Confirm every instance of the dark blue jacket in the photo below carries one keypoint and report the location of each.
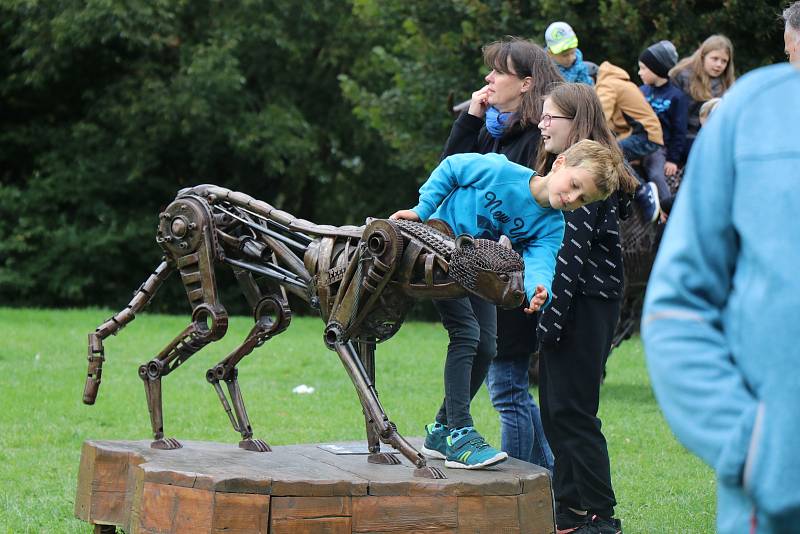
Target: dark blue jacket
(672, 107)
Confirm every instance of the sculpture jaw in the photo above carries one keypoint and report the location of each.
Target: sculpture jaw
(506, 290)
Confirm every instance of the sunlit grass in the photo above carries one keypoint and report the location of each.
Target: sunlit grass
(659, 486)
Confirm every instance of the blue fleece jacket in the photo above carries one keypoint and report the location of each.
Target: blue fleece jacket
(672, 107)
(486, 196)
(577, 72)
(723, 303)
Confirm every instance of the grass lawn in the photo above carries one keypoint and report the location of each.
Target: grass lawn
(660, 487)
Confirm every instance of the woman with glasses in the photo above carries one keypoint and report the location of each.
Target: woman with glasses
(575, 331)
(502, 118)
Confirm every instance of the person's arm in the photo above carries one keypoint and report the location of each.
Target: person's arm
(454, 171)
(701, 391)
(582, 74)
(578, 234)
(608, 98)
(539, 256)
(463, 135)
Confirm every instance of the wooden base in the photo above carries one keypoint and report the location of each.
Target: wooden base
(218, 488)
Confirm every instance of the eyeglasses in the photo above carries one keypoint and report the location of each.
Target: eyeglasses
(547, 118)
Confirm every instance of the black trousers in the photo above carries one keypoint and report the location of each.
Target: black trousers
(569, 394)
(471, 323)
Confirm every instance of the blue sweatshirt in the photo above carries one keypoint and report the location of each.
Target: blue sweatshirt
(486, 196)
(723, 303)
(672, 107)
(577, 72)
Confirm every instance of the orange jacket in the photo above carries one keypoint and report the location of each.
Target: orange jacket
(624, 105)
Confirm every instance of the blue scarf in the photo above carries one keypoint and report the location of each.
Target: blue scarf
(496, 121)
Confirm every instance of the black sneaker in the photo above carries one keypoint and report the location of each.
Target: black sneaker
(602, 525)
(568, 522)
(647, 199)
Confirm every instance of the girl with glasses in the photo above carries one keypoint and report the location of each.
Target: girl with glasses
(575, 331)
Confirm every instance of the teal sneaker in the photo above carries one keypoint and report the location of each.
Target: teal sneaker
(466, 449)
(435, 441)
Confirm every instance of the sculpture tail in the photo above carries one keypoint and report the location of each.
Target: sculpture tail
(141, 298)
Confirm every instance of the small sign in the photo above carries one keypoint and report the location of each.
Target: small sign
(353, 448)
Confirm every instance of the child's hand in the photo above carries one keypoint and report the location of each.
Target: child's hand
(539, 298)
(479, 102)
(670, 169)
(406, 215)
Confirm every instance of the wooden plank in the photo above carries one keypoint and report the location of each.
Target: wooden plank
(109, 485)
(310, 507)
(175, 510)
(488, 514)
(404, 514)
(83, 497)
(536, 512)
(237, 513)
(330, 525)
(400, 479)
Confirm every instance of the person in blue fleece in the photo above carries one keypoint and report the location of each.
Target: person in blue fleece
(487, 196)
(562, 47)
(722, 306)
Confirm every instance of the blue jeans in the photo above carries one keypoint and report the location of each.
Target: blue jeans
(521, 432)
(637, 146)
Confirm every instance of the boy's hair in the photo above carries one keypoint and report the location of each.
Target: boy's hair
(523, 58)
(708, 106)
(579, 101)
(603, 163)
(699, 81)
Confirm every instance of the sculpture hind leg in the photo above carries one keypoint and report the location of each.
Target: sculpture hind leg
(272, 317)
(116, 323)
(209, 323)
(186, 233)
(376, 416)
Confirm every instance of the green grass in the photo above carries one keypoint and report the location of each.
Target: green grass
(660, 487)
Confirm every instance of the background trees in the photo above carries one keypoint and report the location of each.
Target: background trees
(333, 110)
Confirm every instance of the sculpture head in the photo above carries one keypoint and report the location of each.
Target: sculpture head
(488, 269)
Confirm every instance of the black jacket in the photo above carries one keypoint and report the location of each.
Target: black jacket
(469, 134)
(589, 263)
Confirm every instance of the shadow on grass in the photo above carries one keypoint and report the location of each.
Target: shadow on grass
(627, 393)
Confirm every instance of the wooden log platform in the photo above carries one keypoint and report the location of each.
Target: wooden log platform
(218, 488)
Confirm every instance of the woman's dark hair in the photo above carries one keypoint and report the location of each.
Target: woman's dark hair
(523, 58)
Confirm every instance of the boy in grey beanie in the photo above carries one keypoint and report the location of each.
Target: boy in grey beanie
(672, 108)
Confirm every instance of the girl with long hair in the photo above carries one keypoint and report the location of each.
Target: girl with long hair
(704, 75)
(575, 332)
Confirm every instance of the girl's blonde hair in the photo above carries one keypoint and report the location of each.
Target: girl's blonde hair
(708, 106)
(579, 101)
(605, 164)
(699, 80)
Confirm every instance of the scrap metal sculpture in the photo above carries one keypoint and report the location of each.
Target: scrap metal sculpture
(361, 279)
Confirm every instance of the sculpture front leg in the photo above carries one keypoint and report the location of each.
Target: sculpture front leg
(366, 351)
(376, 417)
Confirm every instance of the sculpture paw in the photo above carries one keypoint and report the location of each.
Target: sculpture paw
(384, 458)
(166, 444)
(429, 472)
(255, 445)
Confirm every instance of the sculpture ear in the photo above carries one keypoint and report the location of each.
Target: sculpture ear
(465, 241)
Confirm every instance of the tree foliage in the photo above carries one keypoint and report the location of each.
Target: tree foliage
(333, 110)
